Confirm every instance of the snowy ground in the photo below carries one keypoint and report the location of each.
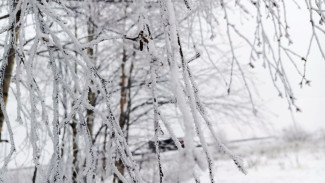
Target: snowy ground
(276, 162)
(268, 161)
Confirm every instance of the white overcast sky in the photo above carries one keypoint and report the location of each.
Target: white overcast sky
(310, 99)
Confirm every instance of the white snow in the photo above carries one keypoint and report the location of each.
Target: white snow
(276, 163)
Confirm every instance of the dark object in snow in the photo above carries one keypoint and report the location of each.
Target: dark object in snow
(165, 145)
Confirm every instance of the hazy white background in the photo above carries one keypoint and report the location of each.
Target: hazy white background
(310, 99)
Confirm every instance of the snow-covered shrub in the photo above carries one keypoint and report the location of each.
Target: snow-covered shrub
(295, 134)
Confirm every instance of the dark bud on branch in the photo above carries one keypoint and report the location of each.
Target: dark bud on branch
(141, 45)
(303, 59)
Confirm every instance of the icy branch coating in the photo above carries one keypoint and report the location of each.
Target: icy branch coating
(95, 81)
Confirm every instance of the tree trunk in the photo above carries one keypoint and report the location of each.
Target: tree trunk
(91, 95)
(119, 163)
(125, 102)
(9, 68)
(75, 148)
(90, 116)
(125, 106)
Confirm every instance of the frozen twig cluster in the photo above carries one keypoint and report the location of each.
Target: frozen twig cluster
(72, 48)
